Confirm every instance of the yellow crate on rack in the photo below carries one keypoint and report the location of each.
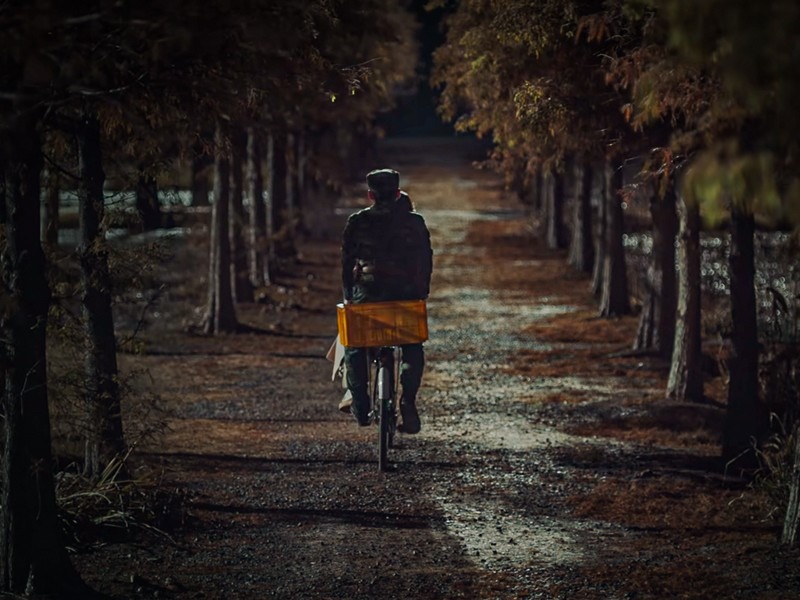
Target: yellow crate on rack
(382, 323)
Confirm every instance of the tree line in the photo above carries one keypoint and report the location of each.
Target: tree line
(274, 97)
(700, 97)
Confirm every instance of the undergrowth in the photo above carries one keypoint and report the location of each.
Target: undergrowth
(779, 377)
(109, 509)
(122, 501)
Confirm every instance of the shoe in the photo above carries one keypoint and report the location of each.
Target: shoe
(362, 420)
(361, 412)
(345, 403)
(408, 411)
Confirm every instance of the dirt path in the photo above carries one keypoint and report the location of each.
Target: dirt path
(508, 492)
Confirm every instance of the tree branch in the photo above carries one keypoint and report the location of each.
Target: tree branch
(59, 168)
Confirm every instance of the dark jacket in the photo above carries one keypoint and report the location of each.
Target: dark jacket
(386, 255)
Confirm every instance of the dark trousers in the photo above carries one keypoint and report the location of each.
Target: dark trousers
(411, 366)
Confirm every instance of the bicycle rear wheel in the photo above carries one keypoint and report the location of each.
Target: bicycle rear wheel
(386, 416)
(384, 442)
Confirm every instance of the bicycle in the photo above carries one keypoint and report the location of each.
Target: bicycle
(383, 327)
(385, 403)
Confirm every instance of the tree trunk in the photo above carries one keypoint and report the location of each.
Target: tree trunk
(50, 226)
(259, 256)
(555, 212)
(147, 205)
(544, 205)
(614, 298)
(243, 289)
(656, 331)
(3, 211)
(685, 375)
(277, 181)
(33, 558)
(220, 316)
(581, 252)
(299, 181)
(291, 185)
(791, 521)
(538, 191)
(200, 181)
(744, 423)
(105, 439)
(600, 239)
(271, 209)
(517, 184)
(282, 211)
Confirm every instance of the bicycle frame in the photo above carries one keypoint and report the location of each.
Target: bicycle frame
(385, 365)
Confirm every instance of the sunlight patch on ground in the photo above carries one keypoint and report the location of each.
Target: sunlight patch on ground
(497, 541)
(497, 431)
(598, 386)
(460, 308)
(441, 217)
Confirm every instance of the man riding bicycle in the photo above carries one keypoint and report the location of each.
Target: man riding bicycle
(386, 255)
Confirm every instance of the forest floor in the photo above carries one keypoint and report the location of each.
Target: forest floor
(549, 464)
